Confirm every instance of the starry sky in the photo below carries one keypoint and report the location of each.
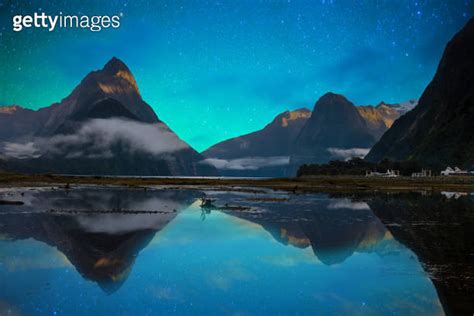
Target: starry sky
(218, 69)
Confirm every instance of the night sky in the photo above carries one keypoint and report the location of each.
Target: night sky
(217, 69)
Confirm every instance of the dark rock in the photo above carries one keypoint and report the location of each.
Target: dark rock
(439, 131)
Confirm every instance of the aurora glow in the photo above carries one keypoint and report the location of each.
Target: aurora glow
(217, 69)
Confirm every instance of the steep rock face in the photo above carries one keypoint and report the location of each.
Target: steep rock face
(103, 127)
(335, 123)
(439, 131)
(113, 81)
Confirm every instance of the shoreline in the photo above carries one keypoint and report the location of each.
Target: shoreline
(297, 185)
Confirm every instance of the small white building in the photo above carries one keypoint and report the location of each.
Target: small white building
(424, 173)
(392, 173)
(455, 195)
(388, 174)
(453, 172)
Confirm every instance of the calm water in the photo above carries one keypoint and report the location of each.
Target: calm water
(111, 251)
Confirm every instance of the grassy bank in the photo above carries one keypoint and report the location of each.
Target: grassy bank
(304, 184)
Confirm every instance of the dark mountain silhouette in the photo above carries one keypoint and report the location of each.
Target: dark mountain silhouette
(439, 131)
(109, 93)
(335, 123)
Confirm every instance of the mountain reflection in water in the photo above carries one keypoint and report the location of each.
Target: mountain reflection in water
(150, 252)
(96, 229)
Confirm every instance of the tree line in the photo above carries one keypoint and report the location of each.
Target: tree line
(358, 167)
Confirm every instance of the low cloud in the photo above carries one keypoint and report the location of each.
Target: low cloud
(21, 151)
(247, 163)
(348, 153)
(348, 204)
(97, 138)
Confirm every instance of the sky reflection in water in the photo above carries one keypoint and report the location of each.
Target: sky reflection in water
(252, 262)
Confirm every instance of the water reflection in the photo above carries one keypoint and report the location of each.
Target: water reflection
(94, 228)
(438, 228)
(150, 252)
(333, 228)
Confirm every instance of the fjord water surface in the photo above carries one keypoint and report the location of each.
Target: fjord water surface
(105, 251)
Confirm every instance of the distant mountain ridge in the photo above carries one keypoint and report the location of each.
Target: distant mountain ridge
(381, 117)
(17, 122)
(273, 140)
(439, 131)
(265, 146)
(281, 137)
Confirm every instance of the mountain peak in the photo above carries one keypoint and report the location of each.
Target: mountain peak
(331, 96)
(114, 65)
(114, 81)
(331, 99)
(333, 102)
(117, 68)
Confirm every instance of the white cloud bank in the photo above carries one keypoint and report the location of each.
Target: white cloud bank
(96, 139)
(348, 204)
(247, 163)
(21, 151)
(348, 153)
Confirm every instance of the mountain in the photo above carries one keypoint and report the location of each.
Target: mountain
(103, 127)
(335, 126)
(439, 131)
(265, 152)
(114, 81)
(270, 144)
(381, 117)
(274, 139)
(17, 122)
(403, 107)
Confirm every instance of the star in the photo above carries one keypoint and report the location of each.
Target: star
(235, 57)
